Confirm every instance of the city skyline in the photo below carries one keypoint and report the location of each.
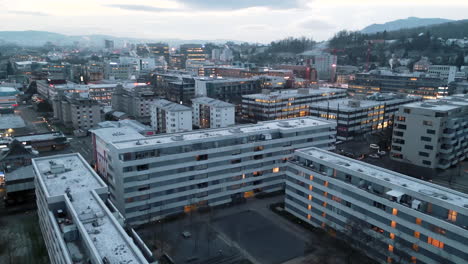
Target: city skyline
(252, 21)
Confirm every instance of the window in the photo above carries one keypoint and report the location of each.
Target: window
(258, 148)
(435, 242)
(452, 215)
(426, 162)
(276, 170)
(325, 183)
(401, 119)
(142, 167)
(417, 234)
(415, 247)
(379, 205)
(427, 123)
(429, 147)
(390, 248)
(423, 154)
(201, 157)
(430, 131)
(394, 211)
(393, 224)
(428, 139)
(392, 236)
(418, 221)
(407, 111)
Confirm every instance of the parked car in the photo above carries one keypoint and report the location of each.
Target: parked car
(381, 153)
(374, 156)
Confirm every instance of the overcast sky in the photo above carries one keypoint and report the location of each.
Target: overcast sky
(243, 20)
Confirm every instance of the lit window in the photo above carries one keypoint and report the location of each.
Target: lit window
(310, 187)
(310, 197)
(413, 260)
(325, 194)
(311, 177)
(389, 260)
(435, 242)
(276, 170)
(415, 247)
(394, 211)
(390, 248)
(452, 215)
(309, 207)
(417, 234)
(418, 221)
(393, 224)
(324, 214)
(392, 236)
(324, 204)
(308, 216)
(325, 183)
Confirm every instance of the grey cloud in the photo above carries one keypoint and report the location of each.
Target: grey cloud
(240, 4)
(316, 24)
(28, 13)
(144, 8)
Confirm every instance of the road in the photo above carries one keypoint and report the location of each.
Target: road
(33, 119)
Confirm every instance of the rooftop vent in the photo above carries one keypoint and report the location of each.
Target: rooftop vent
(56, 168)
(235, 130)
(284, 124)
(354, 103)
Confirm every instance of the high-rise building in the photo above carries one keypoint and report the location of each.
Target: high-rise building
(432, 133)
(212, 113)
(170, 117)
(194, 52)
(391, 217)
(285, 104)
(154, 177)
(78, 222)
(324, 63)
(159, 49)
(77, 111)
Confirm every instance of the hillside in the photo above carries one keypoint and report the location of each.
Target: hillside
(408, 23)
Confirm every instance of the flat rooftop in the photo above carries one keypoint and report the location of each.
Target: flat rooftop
(284, 94)
(343, 103)
(170, 106)
(11, 121)
(78, 175)
(225, 80)
(40, 137)
(403, 182)
(134, 140)
(211, 102)
(446, 104)
(102, 231)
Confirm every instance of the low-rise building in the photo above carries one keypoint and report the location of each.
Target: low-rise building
(391, 217)
(285, 104)
(228, 90)
(158, 176)
(78, 222)
(445, 72)
(45, 141)
(170, 117)
(432, 133)
(212, 113)
(355, 118)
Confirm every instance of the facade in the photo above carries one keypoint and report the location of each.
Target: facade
(76, 111)
(324, 63)
(79, 224)
(432, 133)
(355, 118)
(391, 217)
(159, 49)
(154, 177)
(170, 117)
(175, 86)
(194, 52)
(45, 141)
(228, 90)
(134, 100)
(445, 72)
(212, 113)
(48, 89)
(8, 98)
(414, 84)
(102, 92)
(285, 104)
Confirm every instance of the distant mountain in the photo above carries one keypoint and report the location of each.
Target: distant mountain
(410, 22)
(39, 38)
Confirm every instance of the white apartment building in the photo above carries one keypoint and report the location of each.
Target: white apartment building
(154, 177)
(445, 72)
(79, 224)
(212, 113)
(391, 217)
(355, 118)
(432, 133)
(285, 104)
(170, 117)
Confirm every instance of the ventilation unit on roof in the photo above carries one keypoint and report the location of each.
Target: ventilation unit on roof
(235, 130)
(284, 124)
(178, 137)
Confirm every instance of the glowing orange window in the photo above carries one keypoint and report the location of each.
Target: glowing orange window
(417, 234)
(308, 216)
(324, 204)
(310, 187)
(324, 214)
(415, 247)
(413, 260)
(325, 183)
(310, 197)
(392, 236)
(452, 215)
(389, 260)
(309, 207)
(435, 242)
(393, 224)
(325, 194)
(275, 170)
(394, 211)
(390, 248)
(418, 221)
(311, 177)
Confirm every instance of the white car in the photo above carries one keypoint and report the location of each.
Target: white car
(374, 146)
(374, 156)
(381, 153)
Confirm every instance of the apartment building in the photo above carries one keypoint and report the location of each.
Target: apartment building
(79, 224)
(212, 113)
(154, 177)
(176, 86)
(77, 111)
(170, 117)
(391, 217)
(433, 133)
(355, 118)
(102, 92)
(48, 89)
(285, 104)
(445, 72)
(134, 100)
(228, 90)
(195, 52)
(416, 83)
